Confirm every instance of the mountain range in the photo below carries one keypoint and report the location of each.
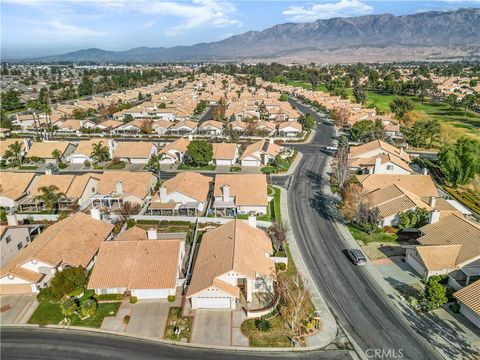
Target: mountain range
(431, 35)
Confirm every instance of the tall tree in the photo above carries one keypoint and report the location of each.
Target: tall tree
(14, 153)
(400, 106)
(200, 153)
(460, 162)
(50, 196)
(100, 152)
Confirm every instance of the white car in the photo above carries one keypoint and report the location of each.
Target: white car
(332, 148)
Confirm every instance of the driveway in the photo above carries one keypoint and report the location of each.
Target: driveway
(397, 272)
(212, 327)
(17, 309)
(149, 318)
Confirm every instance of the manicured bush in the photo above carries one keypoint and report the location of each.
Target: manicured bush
(280, 254)
(87, 163)
(62, 165)
(77, 292)
(63, 283)
(263, 325)
(282, 266)
(171, 298)
(130, 223)
(133, 300)
(455, 307)
(126, 319)
(88, 308)
(108, 297)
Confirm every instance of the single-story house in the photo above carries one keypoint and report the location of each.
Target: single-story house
(375, 148)
(469, 300)
(448, 245)
(174, 152)
(135, 152)
(210, 127)
(5, 145)
(161, 126)
(15, 186)
(240, 194)
(185, 127)
(260, 153)
(385, 163)
(73, 241)
(421, 185)
(290, 129)
(185, 193)
(149, 269)
(233, 262)
(44, 150)
(84, 150)
(225, 154)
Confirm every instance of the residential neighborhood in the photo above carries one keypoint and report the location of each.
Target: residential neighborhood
(195, 190)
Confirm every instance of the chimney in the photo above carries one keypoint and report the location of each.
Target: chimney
(12, 219)
(270, 141)
(111, 147)
(433, 201)
(190, 137)
(26, 143)
(425, 171)
(163, 194)
(252, 219)
(95, 213)
(226, 192)
(378, 163)
(434, 216)
(119, 187)
(152, 233)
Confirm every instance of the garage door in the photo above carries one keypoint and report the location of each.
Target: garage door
(16, 289)
(211, 302)
(151, 293)
(250, 163)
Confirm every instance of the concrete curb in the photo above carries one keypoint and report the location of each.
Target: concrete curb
(161, 341)
(330, 330)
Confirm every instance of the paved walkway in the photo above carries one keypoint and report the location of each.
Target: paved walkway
(329, 324)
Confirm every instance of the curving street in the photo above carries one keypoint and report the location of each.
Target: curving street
(34, 343)
(361, 307)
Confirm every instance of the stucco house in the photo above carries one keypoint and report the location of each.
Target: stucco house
(44, 150)
(225, 154)
(290, 129)
(174, 152)
(73, 241)
(233, 262)
(84, 150)
(240, 194)
(469, 300)
(15, 186)
(186, 193)
(147, 268)
(260, 153)
(210, 127)
(134, 152)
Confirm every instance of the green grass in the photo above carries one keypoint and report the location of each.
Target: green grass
(277, 214)
(188, 167)
(117, 166)
(235, 169)
(377, 236)
(184, 323)
(47, 314)
(51, 314)
(29, 167)
(277, 336)
(268, 170)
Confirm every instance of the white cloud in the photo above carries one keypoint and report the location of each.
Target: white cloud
(344, 8)
(148, 24)
(63, 31)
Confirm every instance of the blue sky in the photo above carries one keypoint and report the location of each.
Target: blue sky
(42, 27)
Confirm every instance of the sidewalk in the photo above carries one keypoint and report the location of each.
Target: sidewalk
(329, 330)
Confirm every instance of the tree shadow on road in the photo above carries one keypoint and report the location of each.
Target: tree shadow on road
(444, 335)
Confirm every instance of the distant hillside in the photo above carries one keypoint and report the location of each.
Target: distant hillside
(428, 35)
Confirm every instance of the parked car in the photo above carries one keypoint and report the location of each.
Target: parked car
(332, 148)
(356, 256)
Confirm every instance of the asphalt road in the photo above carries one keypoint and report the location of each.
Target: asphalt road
(34, 343)
(361, 307)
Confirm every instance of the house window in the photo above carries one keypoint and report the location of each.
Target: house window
(389, 167)
(19, 245)
(8, 239)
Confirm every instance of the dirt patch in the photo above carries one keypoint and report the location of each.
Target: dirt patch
(379, 250)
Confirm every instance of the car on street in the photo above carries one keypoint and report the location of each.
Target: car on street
(331, 148)
(356, 257)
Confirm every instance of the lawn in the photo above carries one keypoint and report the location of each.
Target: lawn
(378, 236)
(115, 166)
(175, 318)
(235, 169)
(29, 167)
(277, 336)
(50, 314)
(307, 85)
(188, 167)
(277, 215)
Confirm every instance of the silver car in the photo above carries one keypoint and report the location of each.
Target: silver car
(357, 257)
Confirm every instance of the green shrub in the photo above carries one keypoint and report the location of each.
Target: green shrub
(282, 266)
(263, 325)
(455, 307)
(77, 292)
(133, 300)
(88, 308)
(130, 223)
(171, 298)
(63, 283)
(126, 319)
(62, 165)
(3, 215)
(108, 297)
(87, 163)
(280, 254)
(46, 295)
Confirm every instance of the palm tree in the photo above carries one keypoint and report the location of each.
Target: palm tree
(50, 196)
(100, 152)
(14, 153)
(57, 155)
